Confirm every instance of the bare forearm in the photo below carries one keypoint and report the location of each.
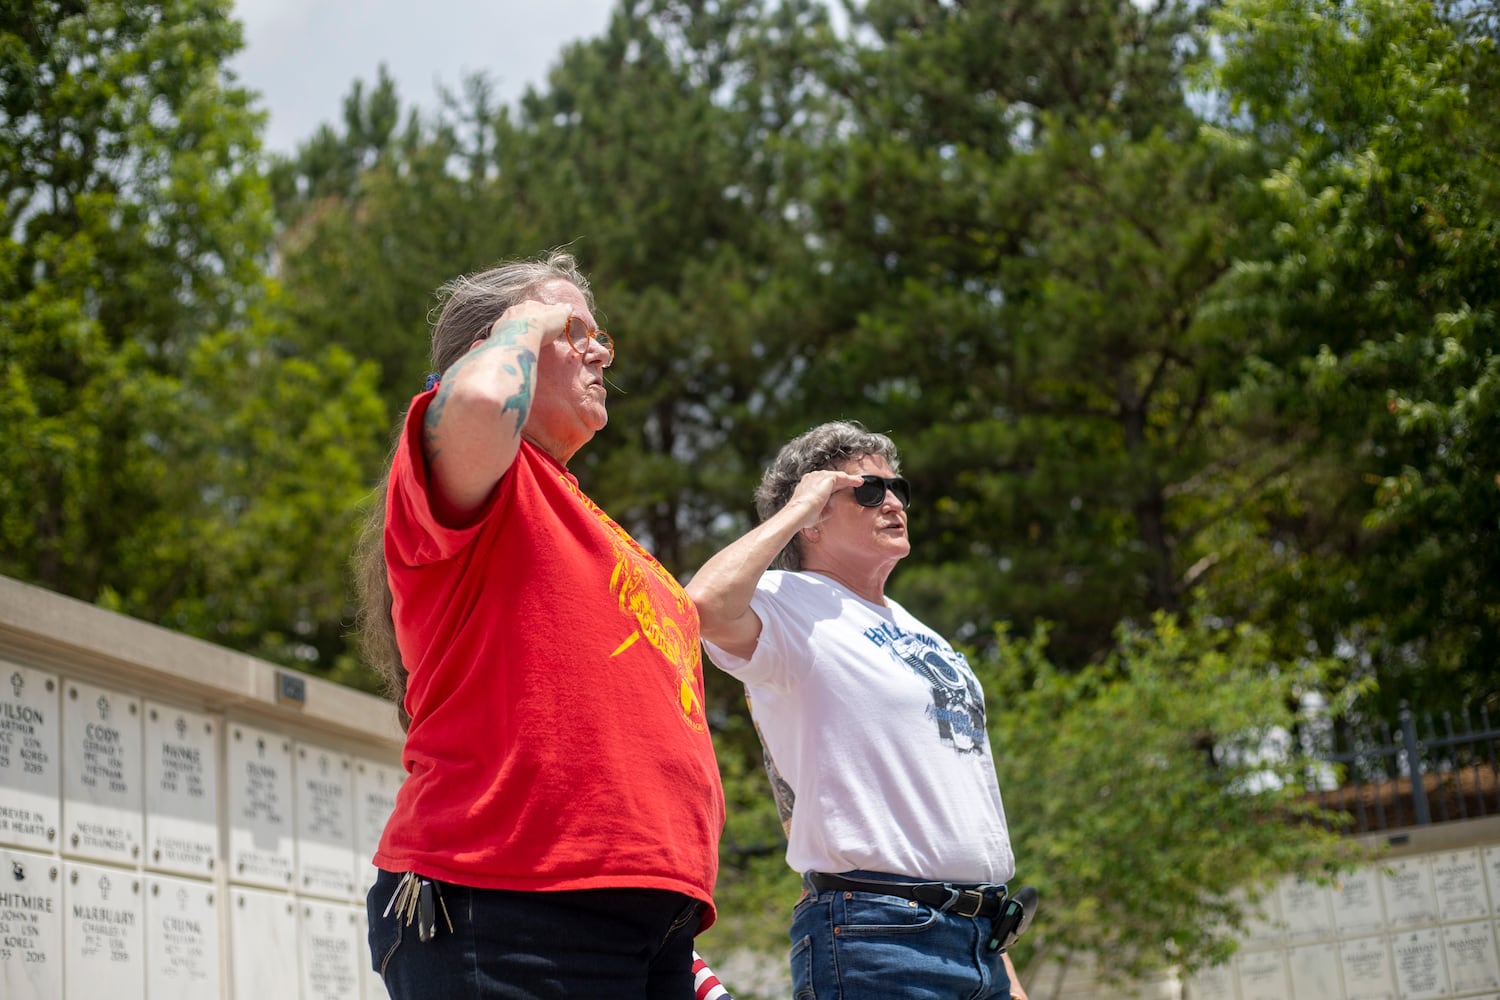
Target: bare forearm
(723, 587)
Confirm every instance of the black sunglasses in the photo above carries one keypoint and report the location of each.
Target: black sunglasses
(871, 492)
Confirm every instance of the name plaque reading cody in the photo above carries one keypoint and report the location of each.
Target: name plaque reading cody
(375, 788)
(31, 945)
(325, 822)
(103, 808)
(102, 925)
(333, 949)
(182, 790)
(262, 944)
(1458, 883)
(1409, 898)
(260, 807)
(182, 939)
(30, 814)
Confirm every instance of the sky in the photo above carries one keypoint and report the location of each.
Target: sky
(302, 56)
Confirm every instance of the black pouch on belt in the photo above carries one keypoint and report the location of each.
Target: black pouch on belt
(1014, 918)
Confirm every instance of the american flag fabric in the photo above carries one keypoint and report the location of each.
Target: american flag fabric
(706, 985)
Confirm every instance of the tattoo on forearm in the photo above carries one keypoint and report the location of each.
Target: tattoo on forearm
(503, 337)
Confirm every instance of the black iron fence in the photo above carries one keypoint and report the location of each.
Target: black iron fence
(1432, 769)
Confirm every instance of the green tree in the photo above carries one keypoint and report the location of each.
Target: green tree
(139, 471)
(1371, 290)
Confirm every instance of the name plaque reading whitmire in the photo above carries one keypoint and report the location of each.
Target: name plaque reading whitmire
(182, 939)
(103, 809)
(262, 944)
(1458, 884)
(30, 773)
(325, 822)
(333, 950)
(31, 942)
(182, 790)
(103, 917)
(1409, 898)
(260, 807)
(375, 787)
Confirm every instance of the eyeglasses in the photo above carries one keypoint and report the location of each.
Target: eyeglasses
(871, 492)
(579, 336)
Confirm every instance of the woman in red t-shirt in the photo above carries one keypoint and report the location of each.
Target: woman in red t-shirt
(557, 834)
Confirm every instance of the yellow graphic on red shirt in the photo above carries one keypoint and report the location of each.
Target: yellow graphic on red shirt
(657, 604)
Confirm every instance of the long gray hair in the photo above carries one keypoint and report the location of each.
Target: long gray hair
(469, 305)
(828, 446)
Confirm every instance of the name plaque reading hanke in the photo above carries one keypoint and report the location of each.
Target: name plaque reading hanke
(182, 939)
(182, 791)
(101, 754)
(30, 775)
(260, 807)
(325, 822)
(31, 948)
(103, 916)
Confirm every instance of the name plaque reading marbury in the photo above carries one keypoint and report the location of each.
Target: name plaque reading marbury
(103, 911)
(325, 822)
(30, 776)
(1419, 965)
(1470, 952)
(332, 952)
(1307, 910)
(103, 808)
(262, 944)
(260, 807)
(375, 788)
(1367, 970)
(1409, 898)
(182, 939)
(30, 927)
(182, 790)
(1458, 884)
(1357, 908)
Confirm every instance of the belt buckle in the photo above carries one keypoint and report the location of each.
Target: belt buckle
(963, 896)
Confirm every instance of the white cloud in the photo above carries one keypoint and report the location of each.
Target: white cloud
(303, 56)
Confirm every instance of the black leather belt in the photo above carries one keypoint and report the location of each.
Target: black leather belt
(966, 901)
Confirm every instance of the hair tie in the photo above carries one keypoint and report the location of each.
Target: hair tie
(432, 380)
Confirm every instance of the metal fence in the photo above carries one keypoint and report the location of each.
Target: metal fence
(1435, 769)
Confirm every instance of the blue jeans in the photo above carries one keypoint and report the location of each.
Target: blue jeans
(606, 944)
(869, 946)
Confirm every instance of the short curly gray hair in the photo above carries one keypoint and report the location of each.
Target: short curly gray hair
(828, 446)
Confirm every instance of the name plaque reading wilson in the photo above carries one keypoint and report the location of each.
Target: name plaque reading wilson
(30, 774)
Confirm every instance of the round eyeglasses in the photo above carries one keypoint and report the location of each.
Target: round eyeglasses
(579, 337)
(871, 492)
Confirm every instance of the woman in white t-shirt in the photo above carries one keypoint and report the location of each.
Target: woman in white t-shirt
(874, 732)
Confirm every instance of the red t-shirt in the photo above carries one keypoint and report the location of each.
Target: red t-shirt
(555, 685)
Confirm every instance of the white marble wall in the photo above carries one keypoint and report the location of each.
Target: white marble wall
(158, 850)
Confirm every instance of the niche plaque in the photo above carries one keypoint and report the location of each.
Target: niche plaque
(31, 946)
(325, 822)
(1420, 973)
(1470, 953)
(103, 809)
(375, 788)
(1458, 884)
(182, 939)
(1367, 969)
(1409, 897)
(260, 807)
(182, 790)
(1357, 908)
(262, 943)
(30, 775)
(103, 918)
(1307, 910)
(333, 950)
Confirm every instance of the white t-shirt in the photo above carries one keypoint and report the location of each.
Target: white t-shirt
(875, 727)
